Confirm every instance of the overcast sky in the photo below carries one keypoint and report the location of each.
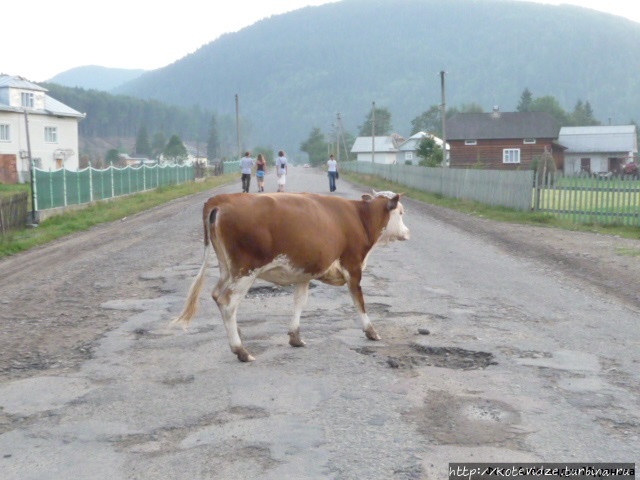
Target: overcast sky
(44, 37)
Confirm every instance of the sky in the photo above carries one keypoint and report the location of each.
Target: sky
(50, 37)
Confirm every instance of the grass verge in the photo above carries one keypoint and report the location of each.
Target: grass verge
(500, 214)
(74, 221)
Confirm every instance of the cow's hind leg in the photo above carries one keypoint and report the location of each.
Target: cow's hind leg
(358, 301)
(300, 300)
(228, 299)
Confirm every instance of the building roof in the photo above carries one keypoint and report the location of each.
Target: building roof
(411, 143)
(502, 125)
(51, 105)
(599, 138)
(19, 82)
(382, 144)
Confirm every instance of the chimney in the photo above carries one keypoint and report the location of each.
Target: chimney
(496, 112)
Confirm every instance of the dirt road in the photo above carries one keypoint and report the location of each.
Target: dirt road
(76, 310)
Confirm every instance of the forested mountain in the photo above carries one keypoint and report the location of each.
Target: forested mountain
(297, 70)
(95, 77)
(110, 115)
(114, 121)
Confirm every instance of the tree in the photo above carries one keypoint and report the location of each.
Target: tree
(316, 147)
(429, 153)
(430, 121)
(465, 108)
(347, 141)
(158, 144)
(213, 141)
(550, 105)
(267, 153)
(582, 115)
(175, 151)
(143, 147)
(525, 101)
(112, 156)
(382, 123)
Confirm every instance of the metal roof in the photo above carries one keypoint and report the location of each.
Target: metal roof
(502, 125)
(413, 141)
(51, 105)
(381, 144)
(55, 107)
(599, 138)
(19, 82)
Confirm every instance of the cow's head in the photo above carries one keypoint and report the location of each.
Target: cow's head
(395, 229)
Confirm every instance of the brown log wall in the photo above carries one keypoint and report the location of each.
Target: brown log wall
(488, 154)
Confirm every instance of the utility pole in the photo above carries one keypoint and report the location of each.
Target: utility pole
(31, 170)
(338, 137)
(373, 132)
(344, 143)
(238, 126)
(445, 160)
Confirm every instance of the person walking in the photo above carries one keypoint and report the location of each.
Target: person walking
(246, 164)
(261, 170)
(332, 169)
(281, 170)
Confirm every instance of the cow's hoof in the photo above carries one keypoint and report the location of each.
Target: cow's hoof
(243, 355)
(295, 340)
(371, 333)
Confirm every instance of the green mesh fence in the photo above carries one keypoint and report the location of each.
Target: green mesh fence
(59, 188)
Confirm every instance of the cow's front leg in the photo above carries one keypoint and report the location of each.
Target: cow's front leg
(300, 297)
(228, 301)
(358, 301)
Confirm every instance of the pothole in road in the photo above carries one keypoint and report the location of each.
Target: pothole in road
(409, 356)
(270, 291)
(448, 419)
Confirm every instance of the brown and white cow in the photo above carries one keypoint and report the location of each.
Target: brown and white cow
(291, 239)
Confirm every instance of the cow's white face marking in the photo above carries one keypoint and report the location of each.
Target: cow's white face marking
(395, 229)
(386, 193)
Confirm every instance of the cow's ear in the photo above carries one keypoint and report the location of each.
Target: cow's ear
(393, 203)
(366, 197)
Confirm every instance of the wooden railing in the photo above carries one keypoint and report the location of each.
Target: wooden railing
(13, 211)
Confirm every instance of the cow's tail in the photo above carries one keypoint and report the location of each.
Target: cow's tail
(191, 304)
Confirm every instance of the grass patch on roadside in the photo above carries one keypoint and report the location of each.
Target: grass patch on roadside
(100, 212)
(8, 190)
(628, 252)
(500, 214)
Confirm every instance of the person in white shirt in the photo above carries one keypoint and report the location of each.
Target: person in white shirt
(246, 164)
(281, 170)
(332, 168)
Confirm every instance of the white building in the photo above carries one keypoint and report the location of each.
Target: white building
(52, 134)
(408, 150)
(383, 149)
(598, 149)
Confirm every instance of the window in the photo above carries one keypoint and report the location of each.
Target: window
(408, 155)
(529, 141)
(470, 142)
(51, 134)
(511, 155)
(5, 133)
(27, 99)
